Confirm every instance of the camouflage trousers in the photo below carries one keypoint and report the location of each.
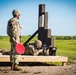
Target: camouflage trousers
(14, 57)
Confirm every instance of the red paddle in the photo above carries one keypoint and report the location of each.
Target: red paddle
(20, 48)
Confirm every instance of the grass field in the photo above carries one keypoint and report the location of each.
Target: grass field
(64, 47)
(5, 44)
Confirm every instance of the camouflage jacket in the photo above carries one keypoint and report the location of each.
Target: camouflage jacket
(13, 28)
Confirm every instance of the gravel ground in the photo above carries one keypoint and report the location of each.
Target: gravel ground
(41, 70)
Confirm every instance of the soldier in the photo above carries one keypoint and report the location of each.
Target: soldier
(34, 49)
(14, 33)
(38, 47)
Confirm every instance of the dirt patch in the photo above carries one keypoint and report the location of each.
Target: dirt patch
(43, 69)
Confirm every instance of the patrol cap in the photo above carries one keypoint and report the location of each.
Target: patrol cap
(16, 12)
(38, 43)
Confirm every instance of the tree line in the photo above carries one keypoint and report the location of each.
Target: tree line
(56, 37)
(65, 37)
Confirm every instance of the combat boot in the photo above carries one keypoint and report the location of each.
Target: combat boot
(17, 68)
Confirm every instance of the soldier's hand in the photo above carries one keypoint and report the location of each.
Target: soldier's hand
(20, 27)
(17, 42)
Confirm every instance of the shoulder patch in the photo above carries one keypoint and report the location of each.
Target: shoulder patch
(12, 21)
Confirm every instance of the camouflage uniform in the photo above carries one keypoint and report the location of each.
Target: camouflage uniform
(34, 49)
(13, 31)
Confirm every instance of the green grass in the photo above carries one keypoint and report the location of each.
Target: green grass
(24, 38)
(4, 42)
(64, 47)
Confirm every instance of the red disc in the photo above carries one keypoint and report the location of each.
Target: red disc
(20, 48)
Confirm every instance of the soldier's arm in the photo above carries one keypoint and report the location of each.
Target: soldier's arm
(14, 30)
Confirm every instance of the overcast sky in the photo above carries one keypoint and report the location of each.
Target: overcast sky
(61, 20)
